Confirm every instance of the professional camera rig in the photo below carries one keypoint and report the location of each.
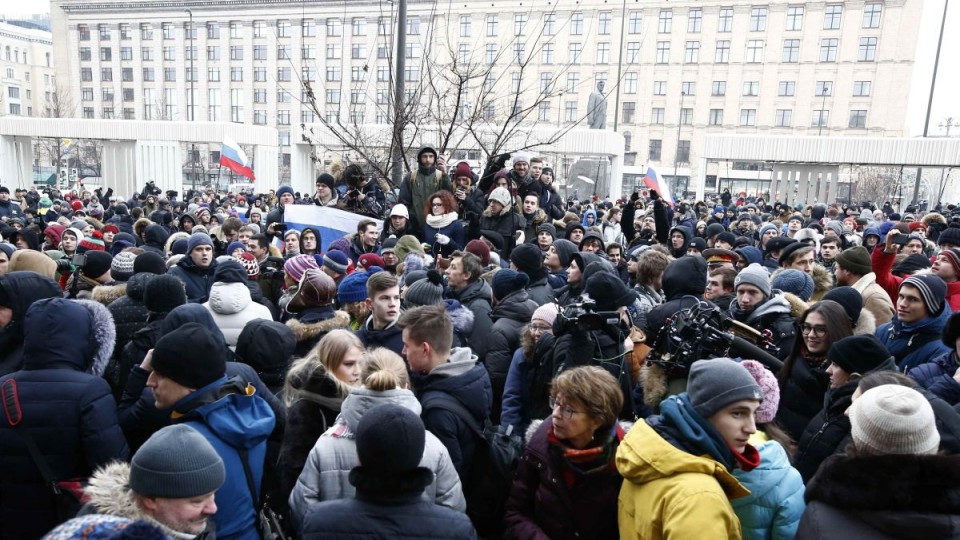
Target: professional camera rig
(704, 331)
(584, 316)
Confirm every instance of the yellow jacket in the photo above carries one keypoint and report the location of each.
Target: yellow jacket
(673, 495)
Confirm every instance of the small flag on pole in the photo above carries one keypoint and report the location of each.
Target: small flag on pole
(233, 158)
(653, 180)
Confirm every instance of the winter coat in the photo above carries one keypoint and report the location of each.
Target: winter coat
(801, 396)
(454, 231)
(20, 290)
(477, 296)
(267, 347)
(875, 299)
(670, 493)
(552, 203)
(386, 508)
(506, 223)
(155, 239)
(233, 423)
(129, 313)
(542, 504)
(316, 403)
(232, 308)
(325, 475)
(509, 316)
(774, 314)
(936, 376)
(526, 390)
(774, 506)
(357, 248)
(310, 329)
(108, 293)
(463, 379)
(64, 404)
(897, 337)
(540, 291)
(822, 282)
(884, 497)
(576, 348)
(197, 281)
(10, 209)
(390, 337)
(417, 188)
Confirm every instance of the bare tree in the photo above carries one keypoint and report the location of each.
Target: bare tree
(60, 105)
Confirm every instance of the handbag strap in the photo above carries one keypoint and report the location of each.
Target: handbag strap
(11, 406)
(249, 474)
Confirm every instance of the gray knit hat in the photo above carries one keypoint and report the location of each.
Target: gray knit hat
(755, 275)
(176, 462)
(713, 384)
(893, 419)
(121, 268)
(425, 292)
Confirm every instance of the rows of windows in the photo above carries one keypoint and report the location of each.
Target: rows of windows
(748, 117)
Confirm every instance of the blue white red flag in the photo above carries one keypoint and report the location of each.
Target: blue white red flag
(653, 180)
(233, 158)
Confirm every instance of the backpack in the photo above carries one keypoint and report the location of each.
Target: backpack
(487, 484)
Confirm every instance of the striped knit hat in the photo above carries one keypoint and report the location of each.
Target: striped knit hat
(297, 265)
(932, 289)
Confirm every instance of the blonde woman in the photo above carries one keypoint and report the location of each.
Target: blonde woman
(313, 393)
(326, 473)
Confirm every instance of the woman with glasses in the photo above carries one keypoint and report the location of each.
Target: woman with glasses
(567, 484)
(803, 377)
(442, 227)
(525, 394)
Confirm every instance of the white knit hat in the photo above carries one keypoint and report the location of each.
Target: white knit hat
(501, 195)
(893, 419)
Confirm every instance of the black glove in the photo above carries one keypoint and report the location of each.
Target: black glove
(63, 265)
(654, 195)
(635, 197)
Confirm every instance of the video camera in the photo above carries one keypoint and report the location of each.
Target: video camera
(273, 269)
(584, 317)
(151, 189)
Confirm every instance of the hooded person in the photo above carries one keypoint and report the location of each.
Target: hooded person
(230, 302)
(18, 291)
(314, 311)
(191, 385)
(429, 177)
(528, 258)
(512, 310)
(678, 240)
(130, 314)
(267, 346)
(677, 466)
(60, 401)
(500, 217)
(762, 307)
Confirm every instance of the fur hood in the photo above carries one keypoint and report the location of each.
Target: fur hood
(934, 217)
(866, 323)
(141, 225)
(105, 294)
(109, 492)
(797, 305)
(822, 282)
(97, 224)
(307, 331)
(168, 246)
(461, 316)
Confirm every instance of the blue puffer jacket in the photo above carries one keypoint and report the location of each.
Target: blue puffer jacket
(65, 405)
(238, 421)
(937, 377)
(773, 509)
(454, 231)
(197, 281)
(896, 336)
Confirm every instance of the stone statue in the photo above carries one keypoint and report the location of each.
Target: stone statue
(597, 108)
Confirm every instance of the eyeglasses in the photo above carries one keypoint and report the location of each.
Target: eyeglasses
(541, 328)
(565, 411)
(807, 329)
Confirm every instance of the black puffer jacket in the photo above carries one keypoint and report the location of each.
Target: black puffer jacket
(155, 239)
(267, 347)
(509, 317)
(477, 297)
(19, 290)
(197, 281)
(507, 223)
(129, 316)
(65, 405)
(802, 395)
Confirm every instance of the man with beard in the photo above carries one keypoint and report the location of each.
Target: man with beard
(431, 176)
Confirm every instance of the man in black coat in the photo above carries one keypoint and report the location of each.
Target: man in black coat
(18, 291)
(196, 269)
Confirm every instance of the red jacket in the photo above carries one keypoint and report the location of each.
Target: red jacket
(883, 264)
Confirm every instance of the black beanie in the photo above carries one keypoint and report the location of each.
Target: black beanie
(951, 330)
(528, 258)
(190, 356)
(98, 263)
(609, 291)
(163, 293)
(858, 354)
(849, 299)
(230, 271)
(507, 281)
(151, 262)
(390, 439)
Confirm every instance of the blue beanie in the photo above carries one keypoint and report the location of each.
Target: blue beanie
(353, 288)
(336, 261)
(236, 244)
(179, 247)
(507, 281)
(284, 189)
(795, 282)
(198, 239)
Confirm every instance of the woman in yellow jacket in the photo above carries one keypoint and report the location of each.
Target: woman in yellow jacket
(677, 466)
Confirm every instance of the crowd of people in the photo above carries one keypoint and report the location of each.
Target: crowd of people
(192, 367)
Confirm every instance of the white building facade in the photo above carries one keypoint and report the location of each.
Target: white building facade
(27, 77)
(674, 72)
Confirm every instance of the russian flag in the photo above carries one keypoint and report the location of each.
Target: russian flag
(654, 181)
(233, 158)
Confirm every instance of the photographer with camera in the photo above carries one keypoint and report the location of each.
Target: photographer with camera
(363, 194)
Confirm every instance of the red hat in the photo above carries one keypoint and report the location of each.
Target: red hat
(111, 228)
(77, 205)
(370, 259)
(480, 249)
(914, 225)
(463, 169)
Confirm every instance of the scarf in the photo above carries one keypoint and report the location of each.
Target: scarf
(678, 412)
(596, 458)
(441, 221)
(815, 361)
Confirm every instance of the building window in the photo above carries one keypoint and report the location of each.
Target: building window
(795, 18)
(828, 49)
(284, 74)
(490, 54)
(358, 51)
(546, 55)
(824, 88)
(573, 82)
(465, 26)
(858, 119)
(755, 51)
(519, 23)
(831, 17)
(283, 29)
(575, 50)
(751, 88)
(283, 52)
(106, 54)
(603, 53)
(129, 114)
(146, 32)
(85, 55)
(87, 111)
(259, 117)
(333, 51)
(871, 15)
(84, 32)
(791, 50)
(236, 52)
(259, 52)
(236, 29)
(236, 74)
(688, 88)
(189, 31)
(718, 88)
(283, 118)
(169, 74)
(820, 118)
(333, 74)
(213, 52)
(686, 116)
(691, 54)
(283, 96)
(657, 115)
(683, 152)
(259, 29)
(576, 23)
(748, 117)
(861, 88)
(148, 75)
(723, 52)
(169, 54)
(213, 74)
(190, 75)
(167, 30)
(86, 94)
(413, 26)
(126, 53)
(359, 26)
(726, 20)
(630, 82)
(784, 118)
(543, 111)
(334, 27)
(86, 74)
(665, 23)
(694, 21)
(492, 23)
(716, 117)
(787, 88)
(635, 22)
(868, 49)
(629, 112)
(663, 52)
(519, 50)
(358, 74)
(659, 88)
(236, 105)
(333, 96)
(104, 31)
(655, 148)
(260, 95)
(758, 19)
(633, 52)
(549, 24)
(546, 82)
(604, 22)
(570, 111)
(106, 74)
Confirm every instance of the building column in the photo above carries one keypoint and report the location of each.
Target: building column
(701, 179)
(160, 162)
(266, 166)
(119, 167)
(16, 161)
(301, 168)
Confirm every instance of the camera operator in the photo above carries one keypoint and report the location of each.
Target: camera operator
(275, 224)
(363, 194)
(597, 333)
